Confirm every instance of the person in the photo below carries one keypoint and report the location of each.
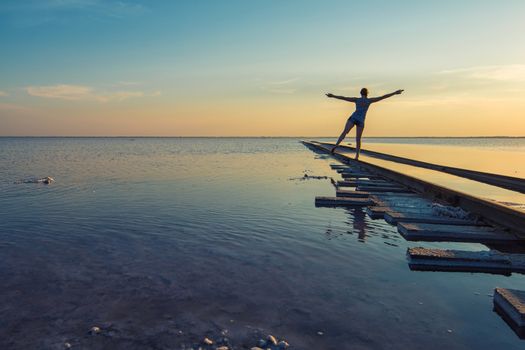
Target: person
(358, 117)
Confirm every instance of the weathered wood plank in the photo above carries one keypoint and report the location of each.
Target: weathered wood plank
(424, 259)
(343, 201)
(363, 182)
(401, 200)
(397, 189)
(339, 166)
(351, 193)
(360, 176)
(394, 195)
(510, 305)
(378, 212)
(453, 233)
(393, 217)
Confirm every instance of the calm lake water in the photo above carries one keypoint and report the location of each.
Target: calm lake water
(164, 241)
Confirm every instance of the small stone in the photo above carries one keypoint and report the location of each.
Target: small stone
(449, 330)
(95, 329)
(320, 333)
(283, 345)
(207, 341)
(67, 345)
(271, 340)
(261, 343)
(256, 348)
(222, 348)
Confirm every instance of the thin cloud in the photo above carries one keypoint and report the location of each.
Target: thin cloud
(83, 93)
(284, 82)
(503, 73)
(13, 108)
(65, 92)
(281, 86)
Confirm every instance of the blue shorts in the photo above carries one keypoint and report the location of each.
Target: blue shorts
(357, 121)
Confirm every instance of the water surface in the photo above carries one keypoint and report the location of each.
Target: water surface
(163, 241)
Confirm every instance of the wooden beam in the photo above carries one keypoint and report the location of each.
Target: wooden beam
(454, 233)
(342, 201)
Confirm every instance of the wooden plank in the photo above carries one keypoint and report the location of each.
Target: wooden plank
(351, 193)
(362, 182)
(378, 212)
(400, 200)
(394, 189)
(339, 166)
(394, 195)
(343, 201)
(424, 259)
(360, 176)
(510, 305)
(453, 233)
(393, 217)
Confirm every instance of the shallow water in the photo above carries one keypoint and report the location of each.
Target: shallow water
(164, 241)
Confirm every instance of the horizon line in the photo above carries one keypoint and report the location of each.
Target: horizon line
(233, 136)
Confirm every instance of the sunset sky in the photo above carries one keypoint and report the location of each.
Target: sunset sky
(260, 68)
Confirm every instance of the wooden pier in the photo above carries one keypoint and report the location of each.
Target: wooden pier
(427, 212)
(491, 212)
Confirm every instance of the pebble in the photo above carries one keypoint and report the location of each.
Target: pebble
(222, 348)
(261, 343)
(320, 333)
(283, 345)
(67, 345)
(95, 329)
(207, 341)
(271, 340)
(256, 348)
(449, 330)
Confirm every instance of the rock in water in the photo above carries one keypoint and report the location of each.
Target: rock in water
(95, 330)
(283, 345)
(271, 340)
(47, 180)
(207, 341)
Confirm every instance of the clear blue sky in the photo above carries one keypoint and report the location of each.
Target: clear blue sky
(98, 59)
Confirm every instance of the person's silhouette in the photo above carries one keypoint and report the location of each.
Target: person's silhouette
(358, 117)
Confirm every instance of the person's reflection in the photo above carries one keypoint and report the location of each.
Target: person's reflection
(359, 223)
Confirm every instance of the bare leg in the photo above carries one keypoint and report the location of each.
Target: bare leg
(358, 133)
(348, 126)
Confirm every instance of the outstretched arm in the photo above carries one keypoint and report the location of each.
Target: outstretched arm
(349, 99)
(377, 99)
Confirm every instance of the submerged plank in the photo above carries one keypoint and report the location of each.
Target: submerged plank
(343, 201)
(453, 233)
(424, 259)
(393, 217)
